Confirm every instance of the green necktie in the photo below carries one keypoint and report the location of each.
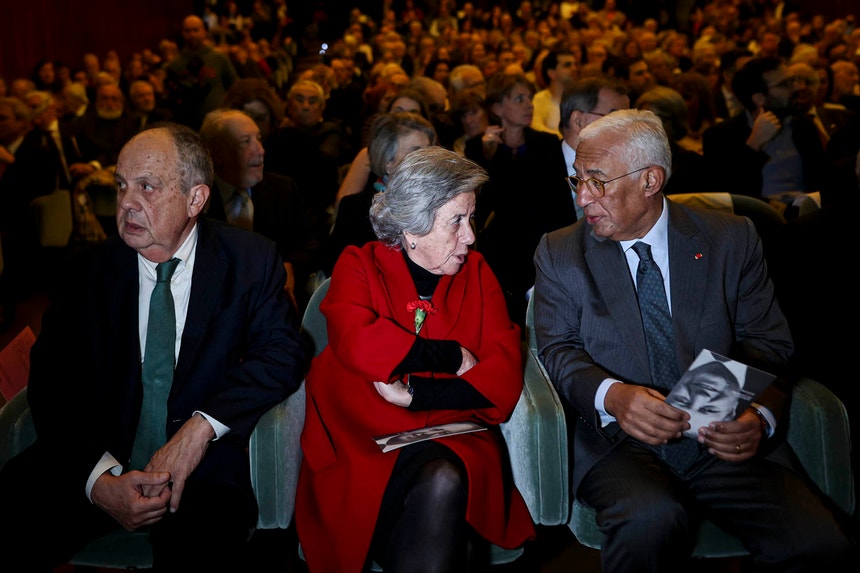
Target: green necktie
(158, 363)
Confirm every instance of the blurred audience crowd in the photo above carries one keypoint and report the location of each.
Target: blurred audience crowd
(507, 84)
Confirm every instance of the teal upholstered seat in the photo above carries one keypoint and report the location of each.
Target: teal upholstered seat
(818, 432)
(275, 458)
(535, 436)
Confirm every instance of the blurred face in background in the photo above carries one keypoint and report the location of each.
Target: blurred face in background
(142, 96)
(109, 101)
(305, 105)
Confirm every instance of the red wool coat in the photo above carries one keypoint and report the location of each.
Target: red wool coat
(344, 473)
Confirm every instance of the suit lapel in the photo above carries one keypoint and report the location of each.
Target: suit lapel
(689, 263)
(611, 274)
(210, 273)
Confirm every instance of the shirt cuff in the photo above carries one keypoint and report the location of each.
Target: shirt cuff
(107, 463)
(767, 416)
(605, 417)
(220, 429)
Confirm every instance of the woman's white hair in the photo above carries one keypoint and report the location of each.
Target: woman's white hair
(425, 180)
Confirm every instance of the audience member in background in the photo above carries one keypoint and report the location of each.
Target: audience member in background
(524, 197)
(828, 120)
(661, 65)
(467, 109)
(725, 99)
(198, 77)
(141, 95)
(439, 502)
(25, 173)
(559, 70)
(359, 175)
(45, 77)
(438, 109)
(774, 153)
(259, 100)
(392, 137)
(687, 165)
(244, 194)
(73, 103)
(845, 90)
(345, 98)
(591, 339)
(585, 101)
(308, 148)
(701, 109)
(19, 87)
(103, 131)
(464, 77)
(635, 74)
(57, 138)
(236, 355)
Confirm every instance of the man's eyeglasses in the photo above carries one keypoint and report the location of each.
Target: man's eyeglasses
(596, 186)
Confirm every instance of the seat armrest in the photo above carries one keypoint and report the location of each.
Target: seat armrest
(819, 434)
(536, 438)
(275, 456)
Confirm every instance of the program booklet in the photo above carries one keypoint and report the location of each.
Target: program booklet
(715, 388)
(390, 442)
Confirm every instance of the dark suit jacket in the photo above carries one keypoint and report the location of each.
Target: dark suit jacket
(528, 197)
(239, 354)
(282, 215)
(589, 328)
(737, 168)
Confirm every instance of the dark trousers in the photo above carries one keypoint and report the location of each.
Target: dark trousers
(45, 510)
(650, 515)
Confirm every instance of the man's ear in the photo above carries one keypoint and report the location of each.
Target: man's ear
(198, 195)
(655, 179)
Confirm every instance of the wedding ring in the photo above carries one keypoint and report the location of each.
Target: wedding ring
(738, 448)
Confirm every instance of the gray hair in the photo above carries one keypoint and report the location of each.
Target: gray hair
(387, 129)
(419, 186)
(640, 133)
(584, 94)
(213, 132)
(195, 164)
(669, 105)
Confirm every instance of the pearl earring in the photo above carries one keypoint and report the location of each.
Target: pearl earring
(412, 245)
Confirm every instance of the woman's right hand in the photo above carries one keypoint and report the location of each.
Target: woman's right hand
(396, 393)
(469, 361)
(491, 138)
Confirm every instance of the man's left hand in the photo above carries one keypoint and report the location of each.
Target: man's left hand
(733, 441)
(182, 454)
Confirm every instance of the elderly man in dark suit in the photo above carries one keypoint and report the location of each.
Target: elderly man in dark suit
(244, 194)
(649, 485)
(236, 355)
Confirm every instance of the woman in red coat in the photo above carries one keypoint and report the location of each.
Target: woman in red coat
(419, 336)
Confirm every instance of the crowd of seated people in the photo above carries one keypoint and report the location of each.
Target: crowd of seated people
(305, 138)
(315, 106)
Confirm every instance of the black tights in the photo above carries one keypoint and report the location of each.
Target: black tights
(430, 534)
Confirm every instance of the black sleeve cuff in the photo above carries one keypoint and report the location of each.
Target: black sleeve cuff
(431, 356)
(445, 394)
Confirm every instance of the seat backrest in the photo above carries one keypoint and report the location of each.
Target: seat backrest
(313, 322)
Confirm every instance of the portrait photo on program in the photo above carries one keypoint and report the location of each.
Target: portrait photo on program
(716, 388)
